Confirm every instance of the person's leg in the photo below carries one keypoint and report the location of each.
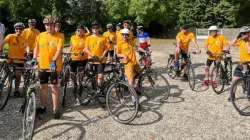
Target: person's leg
(55, 93)
(237, 74)
(111, 55)
(43, 76)
(18, 76)
(129, 72)
(100, 76)
(73, 67)
(207, 67)
(176, 58)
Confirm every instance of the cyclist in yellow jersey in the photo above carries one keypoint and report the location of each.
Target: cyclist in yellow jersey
(96, 47)
(118, 28)
(125, 50)
(77, 46)
(49, 45)
(126, 25)
(58, 29)
(111, 38)
(30, 34)
(241, 41)
(17, 47)
(183, 39)
(213, 44)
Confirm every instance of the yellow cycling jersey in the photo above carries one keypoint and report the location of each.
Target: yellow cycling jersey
(185, 40)
(127, 48)
(215, 45)
(111, 38)
(17, 46)
(77, 44)
(31, 35)
(96, 45)
(244, 55)
(47, 45)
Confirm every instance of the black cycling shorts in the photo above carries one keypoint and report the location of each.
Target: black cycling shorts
(209, 62)
(44, 77)
(19, 66)
(238, 71)
(110, 53)
(75, 64)
(146, 48)
(98, 68)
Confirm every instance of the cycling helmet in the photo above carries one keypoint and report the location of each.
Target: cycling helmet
(19, 24)
(80, 26)
(31, 21)
(109, 25)
(184, 27)
(213, 28)
(58, 24)
(140, 27)
(95, 23)
(244, 29)
(119, 24)
(125, 31)
(127, 21)
(49, 19)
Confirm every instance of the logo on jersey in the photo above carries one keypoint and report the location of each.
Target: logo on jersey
(41, 45)
(217, 42)
(81, 43)
(91, 46)
(52, 43)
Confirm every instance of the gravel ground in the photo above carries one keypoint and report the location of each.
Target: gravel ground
(186, 114)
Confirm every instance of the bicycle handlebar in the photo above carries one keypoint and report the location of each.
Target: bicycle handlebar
(12, 58)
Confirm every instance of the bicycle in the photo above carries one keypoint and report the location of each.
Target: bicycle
(222, 71)
(177, 73)
(114, 91)
(7, 75)
(28, 107)
(152, 84)
(240, 92)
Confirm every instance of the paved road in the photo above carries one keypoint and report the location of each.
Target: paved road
(186, 114)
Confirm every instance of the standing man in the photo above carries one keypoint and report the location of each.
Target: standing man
(126, 25)
(118, 28)
(183, 39)
(144, 40)
(17, 47)
(2, 31)
(214, 44)
(96, 47)
(48, 47)
(111, 38)
(30, 34)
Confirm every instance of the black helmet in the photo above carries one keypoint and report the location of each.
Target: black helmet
(95, 23)
(80, 26)
(184, 27)
(119, 24)
(127, 21)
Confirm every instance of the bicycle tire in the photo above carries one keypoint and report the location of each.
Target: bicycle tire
(84, 92)
(191, 76)
(220, 79)
(148, 83)
(237, 97)
(170, 68)
(64, 86)
(6, 90)
(29, 117)
(116, 93)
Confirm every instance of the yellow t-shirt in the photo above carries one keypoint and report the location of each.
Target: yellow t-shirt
(31, 35)
(77, 46)
(127, 48)
(117, 32)
(17, 46)
(215, 45)
(244, 55)
(119, 37)
(96, 45)
(185, 40)
(47, 45)
(110, 36)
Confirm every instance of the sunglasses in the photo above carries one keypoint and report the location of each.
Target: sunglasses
(95, 27)
(20, 29)
(79, 30)
(214, 31)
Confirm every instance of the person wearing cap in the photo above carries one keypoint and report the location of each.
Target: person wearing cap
(77, 46)
(96, 47)
(48, 47)
(111, 39)
(213, 44)
(118, 28)
(125, 50)
(18, 45)
(144, 40)
(126, 25)
(30, 34)
(241, 41)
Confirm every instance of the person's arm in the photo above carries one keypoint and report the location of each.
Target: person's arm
(88, 32)
(231, 43)
(196, 46)
(58, 52)
(227, 47)
(36, 52)
(178, 41)
(104, 53)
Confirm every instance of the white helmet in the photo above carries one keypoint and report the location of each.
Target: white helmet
(125, 31)
(212, 28)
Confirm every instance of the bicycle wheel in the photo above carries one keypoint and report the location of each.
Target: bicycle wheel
(220, 79)
(85, 91)
(5, 90)
(29, 117)
(154, 86)
(65, 80)
(239, 94)
(122, 102)
(170, 68)
(191, 76)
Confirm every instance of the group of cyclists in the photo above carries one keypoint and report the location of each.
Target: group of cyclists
(214, 44)
(46, 49)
